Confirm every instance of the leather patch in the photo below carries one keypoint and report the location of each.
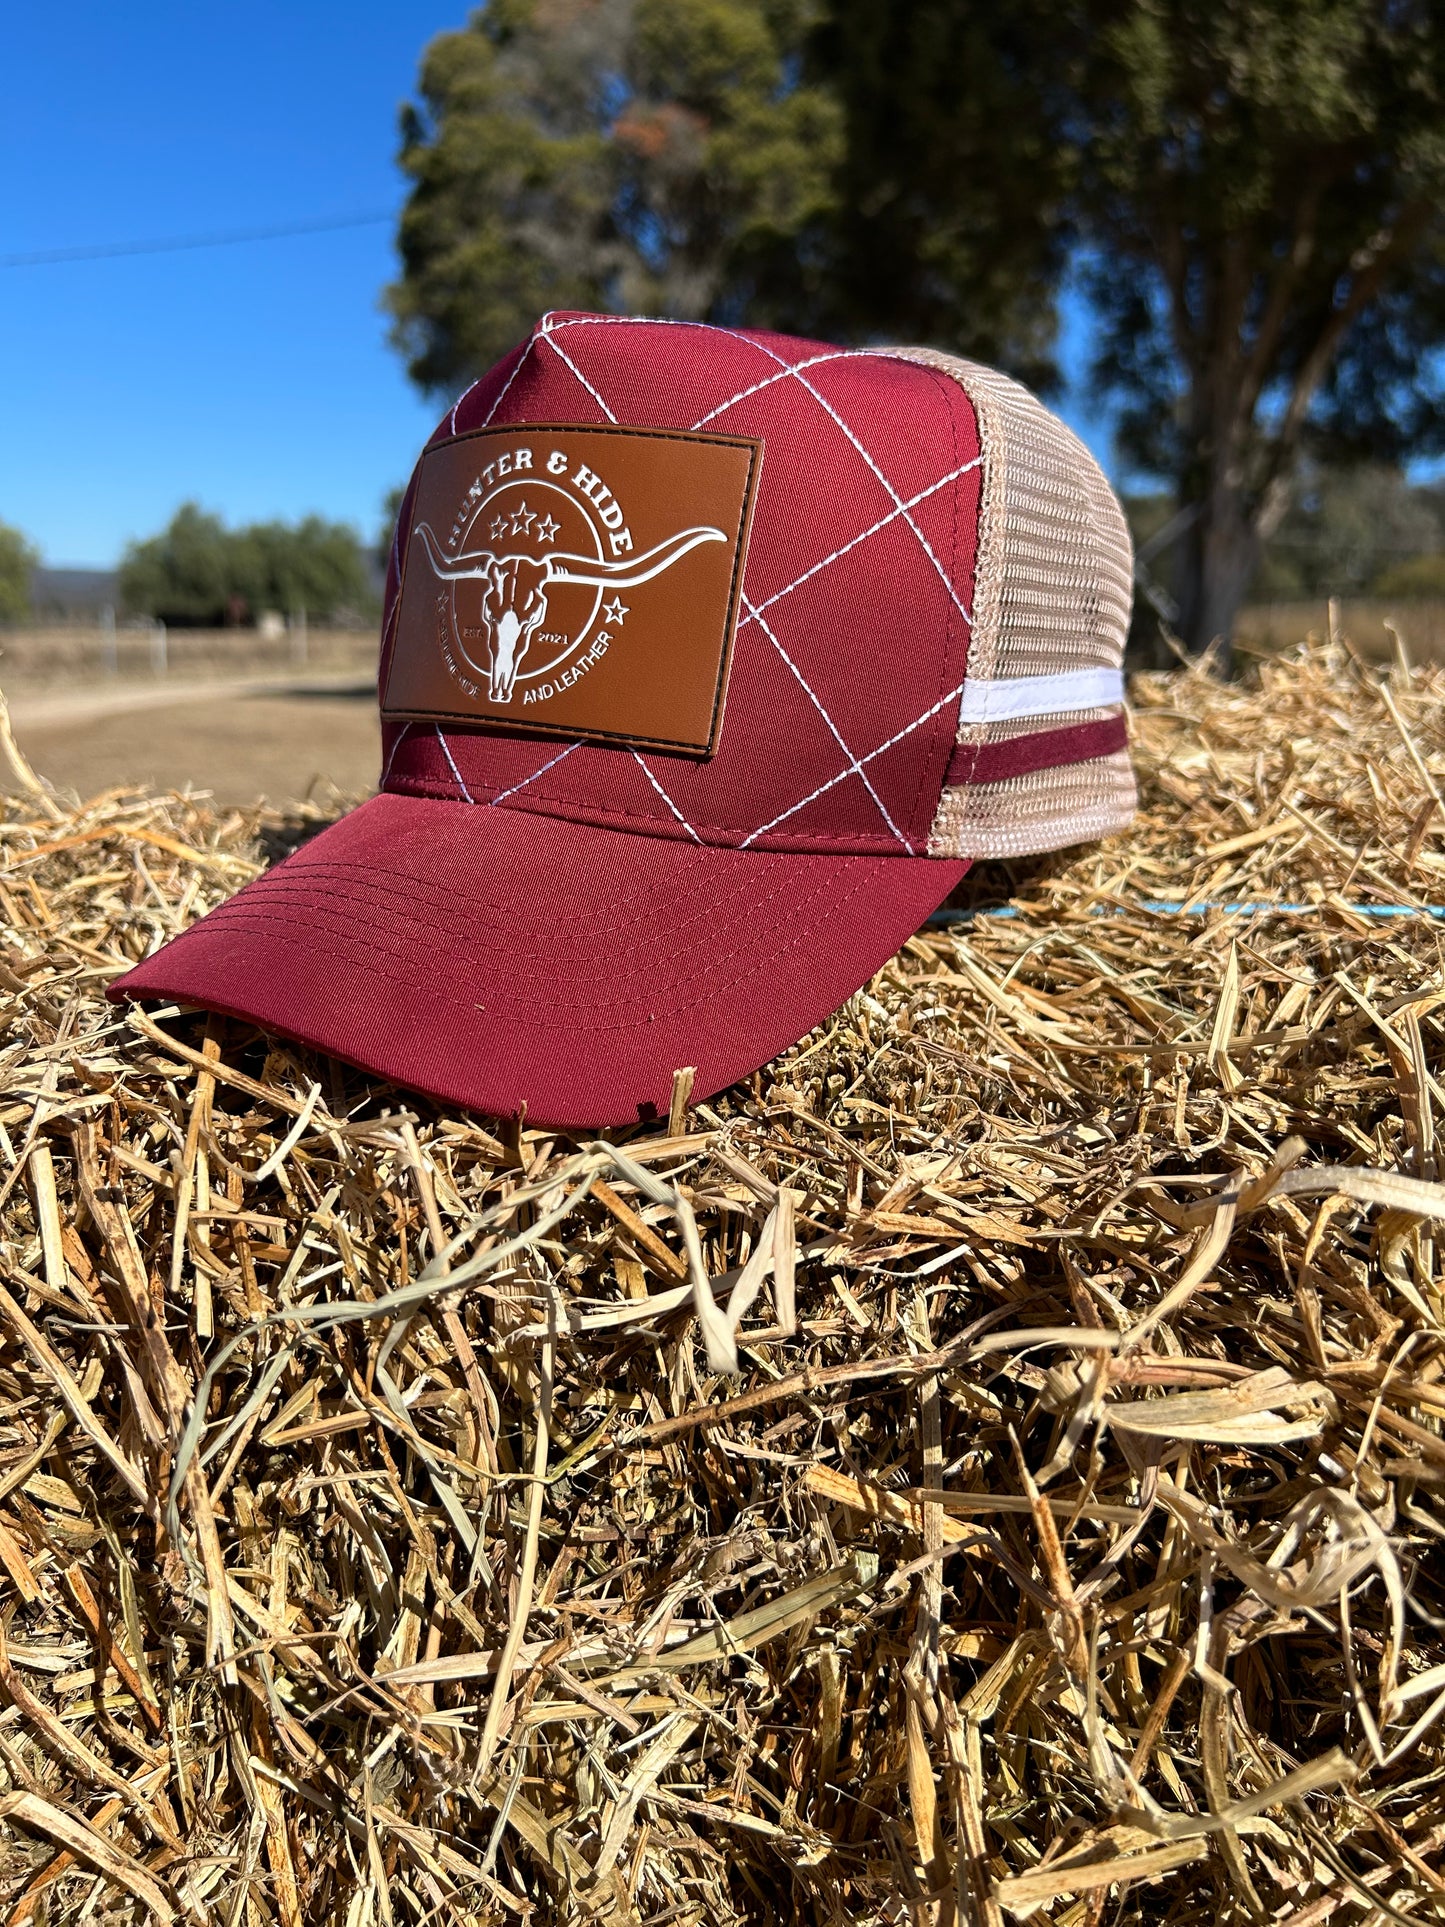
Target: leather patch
(578, 582)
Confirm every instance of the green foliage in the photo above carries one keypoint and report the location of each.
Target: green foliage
(1260, 182)
(654, 156)
(312, 565)
(198, 572)
(1346, 531)
(184, 575)
(950, 222)
(1350, 531)
(1251, 193)
(17, 564)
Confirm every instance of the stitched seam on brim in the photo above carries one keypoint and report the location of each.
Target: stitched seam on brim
(647, 965)
(711, 992)
(305, 878)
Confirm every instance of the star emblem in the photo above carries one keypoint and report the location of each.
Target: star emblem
(498, 527)
(522, 519)
(547, 530)
(614, 610)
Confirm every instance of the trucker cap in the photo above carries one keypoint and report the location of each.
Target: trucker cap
(709, 660)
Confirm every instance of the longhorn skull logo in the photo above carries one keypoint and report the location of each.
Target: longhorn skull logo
(514, 599)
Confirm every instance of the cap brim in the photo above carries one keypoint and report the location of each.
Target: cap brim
(499, 959)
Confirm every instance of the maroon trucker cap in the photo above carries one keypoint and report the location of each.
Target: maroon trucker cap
(709, 660)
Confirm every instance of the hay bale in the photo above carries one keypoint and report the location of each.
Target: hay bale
(384, 1540)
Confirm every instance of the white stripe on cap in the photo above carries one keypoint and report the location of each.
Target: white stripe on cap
(1004, 700)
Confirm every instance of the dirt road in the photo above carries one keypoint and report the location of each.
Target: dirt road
(238, 738)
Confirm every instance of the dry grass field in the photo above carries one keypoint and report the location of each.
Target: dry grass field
(84, 658)
(284, 739)
(235, 715)
(988, 1466)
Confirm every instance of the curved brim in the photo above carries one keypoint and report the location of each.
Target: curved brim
(501, 960)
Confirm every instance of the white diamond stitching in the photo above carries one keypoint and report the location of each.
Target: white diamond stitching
(502, 795)
(665, 797)
(784, 371)
(882, 523)
(785, 368)
(401, 735)
(502, 391)
(562, 355)
(900, 508)
(833, 727)
(793, 369)
(897, 499)
(452, 764)
(844, 774)
(521, 363)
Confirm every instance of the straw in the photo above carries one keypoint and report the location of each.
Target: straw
(986, 1467)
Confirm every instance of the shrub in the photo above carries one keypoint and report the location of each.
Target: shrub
(199, 572)
(17, 566)
(1421, 576)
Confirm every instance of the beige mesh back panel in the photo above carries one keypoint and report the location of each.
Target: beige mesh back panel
(1053, 587)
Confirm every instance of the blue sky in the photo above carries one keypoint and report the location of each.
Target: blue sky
(255, 379)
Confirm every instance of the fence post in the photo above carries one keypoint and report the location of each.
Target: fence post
(159, 661)
(109, 651)
(298, 636)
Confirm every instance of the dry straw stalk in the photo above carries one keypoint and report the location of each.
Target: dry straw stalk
(988, 1467)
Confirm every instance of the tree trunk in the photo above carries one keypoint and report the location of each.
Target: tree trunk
(1217, 561)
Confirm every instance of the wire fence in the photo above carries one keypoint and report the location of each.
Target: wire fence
(99, 652)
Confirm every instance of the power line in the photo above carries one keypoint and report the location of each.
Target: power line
(108, 251)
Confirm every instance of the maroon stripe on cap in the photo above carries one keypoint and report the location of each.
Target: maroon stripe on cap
(1045, 749)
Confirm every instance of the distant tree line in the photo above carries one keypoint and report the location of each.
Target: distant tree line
(198, 573)
(1354, 532)
(1359, 531)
